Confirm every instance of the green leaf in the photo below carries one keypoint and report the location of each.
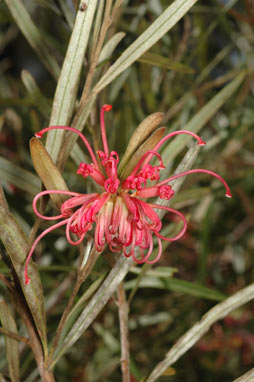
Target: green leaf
(33, 36)
(68, 14)
(72, 316)
(110, 46)
(190, 196)
(23, 179)
(34, 92)
(177, 285)
(96, 304)
(141, 133)
(146, 40)
(165, 63)
(16, 245)
(190, 338)
(68, 82)
(79, 124)
(202, 117)
(143, 43)
(47, 4)
(155, 272)
(47, 171)
(12, 346)
(148, 144)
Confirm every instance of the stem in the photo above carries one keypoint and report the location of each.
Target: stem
(123, 311)
(15, 336)
(82, 275)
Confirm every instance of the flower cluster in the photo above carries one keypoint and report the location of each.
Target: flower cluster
(120, 215)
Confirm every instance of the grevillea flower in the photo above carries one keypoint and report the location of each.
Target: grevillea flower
(120, 215)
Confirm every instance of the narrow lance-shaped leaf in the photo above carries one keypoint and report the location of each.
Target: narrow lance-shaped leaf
(33, 35)
(23, 179)
(165, 63)
(16, 245)
(144, 42)
(141, 133)
(67, 85)
(96, 304)
(12, 346)
(176, 285)
(47, 171)
(201, 117)
(186, 341)
(68, 14)
(149, 144)
(35, 93)
(110, 46)
(79, 306)
(153, 33)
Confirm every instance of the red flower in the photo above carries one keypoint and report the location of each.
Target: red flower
(120, 214)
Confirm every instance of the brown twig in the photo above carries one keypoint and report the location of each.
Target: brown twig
(239, 17)
(95, 56)
(249, 7)
(123, 311)
(219, 81)
(182, 46)
(15, 336)
(244, 91)
(88, 84)
(82, 275)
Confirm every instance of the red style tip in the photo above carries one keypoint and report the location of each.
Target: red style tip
(228, 195)
(107, 107)
(27, 280)
(38, 135)
(201, 143)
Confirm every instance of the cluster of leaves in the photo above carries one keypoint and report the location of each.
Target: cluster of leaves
(61, 60)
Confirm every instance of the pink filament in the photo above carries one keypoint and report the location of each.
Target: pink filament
(171, 135)
(145, 259)
(183, 230)
(197, 170)
(158, 254)
(48, 192)
(57, 225)
(87, 144)
(123, 220)
(149, 153)
(68, 228)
